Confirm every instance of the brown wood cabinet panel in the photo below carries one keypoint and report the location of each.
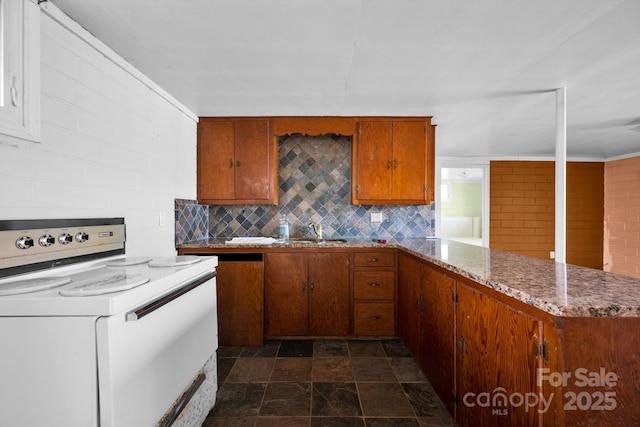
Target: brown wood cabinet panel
(236, 161)
(240, 294)
(216, 157)
(409, 160)
(329, 294)
(431, 161)
(375, 152)
(391, 161)
(374, 319)
(307, 294)
(494, 352)
(286, 294)
(253, 179)
(375, 259)
(437, 336)
(409, 288)
(600, 347)
(376, 285)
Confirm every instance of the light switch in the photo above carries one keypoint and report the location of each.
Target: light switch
(376, 217)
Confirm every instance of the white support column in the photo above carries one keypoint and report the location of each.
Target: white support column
(561, 175)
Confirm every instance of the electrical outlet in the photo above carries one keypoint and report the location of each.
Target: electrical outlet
(162, 219)
(376, 217)
(552, 255)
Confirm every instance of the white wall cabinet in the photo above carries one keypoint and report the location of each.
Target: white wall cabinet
(20, 71)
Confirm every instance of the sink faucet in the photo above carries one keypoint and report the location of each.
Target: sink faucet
(317, 228)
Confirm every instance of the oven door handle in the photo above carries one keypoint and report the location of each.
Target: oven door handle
(154, 305)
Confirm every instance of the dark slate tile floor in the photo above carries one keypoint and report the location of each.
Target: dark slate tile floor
(324, 383)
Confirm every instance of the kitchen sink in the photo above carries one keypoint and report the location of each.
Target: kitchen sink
(319, 242)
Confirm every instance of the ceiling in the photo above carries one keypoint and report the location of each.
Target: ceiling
(486, 70)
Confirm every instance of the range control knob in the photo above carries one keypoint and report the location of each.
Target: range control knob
(24, 242)
(46, 240)
(65, 238)
(82, 237)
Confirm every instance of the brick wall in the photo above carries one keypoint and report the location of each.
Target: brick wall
(585, 213)
(622, 217)
(522, 209)
(113, 143)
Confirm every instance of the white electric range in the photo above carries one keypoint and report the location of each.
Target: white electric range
(91, 337)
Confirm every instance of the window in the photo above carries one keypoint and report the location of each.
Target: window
(20, 69)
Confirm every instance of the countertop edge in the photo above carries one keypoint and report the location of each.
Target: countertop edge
(421, 252)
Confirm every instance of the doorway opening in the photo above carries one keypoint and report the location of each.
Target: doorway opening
(462, 204)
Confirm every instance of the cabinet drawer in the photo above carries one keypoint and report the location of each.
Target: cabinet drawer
(374, 319)
(373, 285)
(375, 259)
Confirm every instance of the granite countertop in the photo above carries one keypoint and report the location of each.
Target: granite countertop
(559, 289)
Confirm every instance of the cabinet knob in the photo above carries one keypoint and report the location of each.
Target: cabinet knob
(373, 259)
(388, 164)
(374, 284)
(395, 164)
(374, 317)
(230, 163)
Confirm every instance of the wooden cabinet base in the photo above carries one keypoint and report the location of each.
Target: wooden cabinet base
(374, 319)
(240, 303)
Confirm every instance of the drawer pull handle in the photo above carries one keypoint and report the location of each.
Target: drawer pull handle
(374, 284)
(373, 259)
(374, 317)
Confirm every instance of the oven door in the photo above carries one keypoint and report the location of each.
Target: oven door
(150, 355)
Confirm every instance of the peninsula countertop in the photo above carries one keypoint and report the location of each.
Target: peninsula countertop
(559, 289)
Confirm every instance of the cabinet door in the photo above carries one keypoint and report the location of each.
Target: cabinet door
(495, 356)
(240, 292)
(437, 339)
(329, 294)
(374, 157)
(409, 280)
(252, 160)
(286, 299)
(216, 160)
(409, 161)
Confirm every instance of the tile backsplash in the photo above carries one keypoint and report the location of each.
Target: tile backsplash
(314, 185)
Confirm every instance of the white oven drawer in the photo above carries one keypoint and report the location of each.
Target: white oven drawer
(146, 361)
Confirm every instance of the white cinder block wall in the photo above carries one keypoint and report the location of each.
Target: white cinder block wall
(113, 143)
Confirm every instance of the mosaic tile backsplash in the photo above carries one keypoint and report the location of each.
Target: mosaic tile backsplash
(314, 185)
(191, 221)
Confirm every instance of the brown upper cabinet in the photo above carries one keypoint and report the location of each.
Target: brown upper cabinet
(393, 157)
(393, 161)
(236, 162)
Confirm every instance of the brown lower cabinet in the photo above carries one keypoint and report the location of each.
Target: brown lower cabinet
(483, 351)
(470, 346)
(240, 297)
(495, 358)
(496, 361)
(307, 294)
(374, 294)
(240, 294)
(427, 323)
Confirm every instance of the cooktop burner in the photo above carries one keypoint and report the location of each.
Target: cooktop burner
(175, 261)
(104, 285)
(32, 285)
(128, 261)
